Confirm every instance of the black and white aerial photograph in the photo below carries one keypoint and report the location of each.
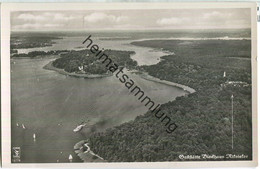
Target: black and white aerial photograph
(131, 85)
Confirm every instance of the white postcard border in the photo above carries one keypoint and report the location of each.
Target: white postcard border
(6, 8)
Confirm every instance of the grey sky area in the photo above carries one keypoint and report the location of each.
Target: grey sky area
(131, 19)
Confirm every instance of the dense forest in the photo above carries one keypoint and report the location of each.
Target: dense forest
(35, 54)
(91, 64)
(31, 40)
(203, 118)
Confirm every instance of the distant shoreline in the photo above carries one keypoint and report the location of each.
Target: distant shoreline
(49, 66)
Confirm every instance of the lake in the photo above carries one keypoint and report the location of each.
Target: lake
(51, 105)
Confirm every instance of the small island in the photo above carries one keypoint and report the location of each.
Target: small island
(84, 63)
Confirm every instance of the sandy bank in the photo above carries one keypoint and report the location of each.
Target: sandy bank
(49, 66)
(154, 79)
(86, 156)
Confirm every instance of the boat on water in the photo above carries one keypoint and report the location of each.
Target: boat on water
(79, 127)
(70, 158)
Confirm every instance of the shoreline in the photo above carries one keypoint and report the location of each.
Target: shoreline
(87, 156)
(189, 38)
(146, 76)
(143, 75)
(49, 66)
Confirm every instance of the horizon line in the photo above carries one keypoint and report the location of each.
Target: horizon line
(75, 30)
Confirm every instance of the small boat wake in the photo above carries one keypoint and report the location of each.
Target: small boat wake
(80, 127)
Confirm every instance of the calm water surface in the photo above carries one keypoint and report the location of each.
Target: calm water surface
(143, 55)
(51, 105)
